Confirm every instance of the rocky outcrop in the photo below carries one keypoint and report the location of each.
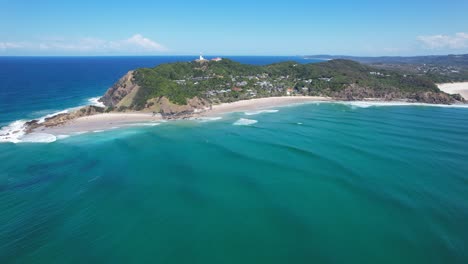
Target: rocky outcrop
(355, 92)
(61, 119)
(434, 98)
(170, 110)
(121, 89)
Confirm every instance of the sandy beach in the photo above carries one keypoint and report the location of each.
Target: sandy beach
(100, 122)
(261, 103)
(455, 88)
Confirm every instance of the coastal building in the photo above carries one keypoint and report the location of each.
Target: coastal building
(243, 83)
(202, 59)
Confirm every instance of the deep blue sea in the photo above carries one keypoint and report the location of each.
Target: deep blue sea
(312, 183)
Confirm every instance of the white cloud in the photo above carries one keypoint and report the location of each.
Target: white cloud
(145, 43)
(457, 41)
(10, 45)
(137, 43)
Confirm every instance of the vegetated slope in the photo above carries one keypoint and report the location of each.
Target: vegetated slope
(227, 81)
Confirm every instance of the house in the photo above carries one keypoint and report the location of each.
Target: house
(243, 83)
(289, 91)
(217, 59)
(236, 89)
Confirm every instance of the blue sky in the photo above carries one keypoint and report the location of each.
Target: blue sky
(293, 27)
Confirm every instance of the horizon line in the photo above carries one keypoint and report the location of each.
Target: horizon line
(196, 55)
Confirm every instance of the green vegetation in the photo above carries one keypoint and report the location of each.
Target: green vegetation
(227, 81)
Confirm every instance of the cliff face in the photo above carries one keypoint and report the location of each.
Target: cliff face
(121, 97)
(119, 93)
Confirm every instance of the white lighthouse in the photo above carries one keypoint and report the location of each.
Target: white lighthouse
(201, 57)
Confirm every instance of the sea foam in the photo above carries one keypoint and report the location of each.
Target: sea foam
(13, 132)
(42, 119)
(16, 131)
(208, 119)
(143, 124)
(367, 104)
(95, 101)
(260, 112)
(38, 138)
(245, 122)
(62, 136)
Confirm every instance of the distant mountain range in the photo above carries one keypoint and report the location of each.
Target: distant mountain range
(440, 69)
(443, 60)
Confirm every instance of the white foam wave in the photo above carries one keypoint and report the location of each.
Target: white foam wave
(261, 112)
(62, 136)
(245, 122)
(98, 131)
(367, 104)
(208, 119)
(42, 119)
(38, 138)
(80, 132)
(13, 132)
(16, 131)
(147, 124)
(144, 124)
(95, 101)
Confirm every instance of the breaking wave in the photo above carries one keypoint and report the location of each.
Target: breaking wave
(260, 112)
(95, 101)
(13, 132)
(367, 104)
(38, 138)
(245, 122)
(208, 119)
(16, 131)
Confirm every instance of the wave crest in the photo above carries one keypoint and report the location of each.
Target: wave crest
(261, 112)
(38, 138)
(13, 132)
(95, 101)
(245, 122)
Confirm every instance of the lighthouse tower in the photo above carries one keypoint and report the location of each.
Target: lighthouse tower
(201, 57)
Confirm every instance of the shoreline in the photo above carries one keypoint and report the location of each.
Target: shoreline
(108, 121)
(261, 104)
(99, 122)
(455, 88)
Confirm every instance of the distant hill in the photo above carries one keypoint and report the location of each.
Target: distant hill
(443, 68)
(444, 60)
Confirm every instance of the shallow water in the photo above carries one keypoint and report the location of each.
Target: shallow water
(327, 183)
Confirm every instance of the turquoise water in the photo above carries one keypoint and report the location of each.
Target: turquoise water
(316, 183)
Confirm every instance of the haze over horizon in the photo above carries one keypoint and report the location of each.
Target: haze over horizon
(361, 28)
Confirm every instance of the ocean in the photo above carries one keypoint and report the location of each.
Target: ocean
(331, 182)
